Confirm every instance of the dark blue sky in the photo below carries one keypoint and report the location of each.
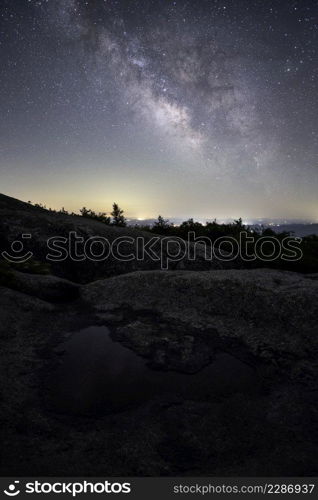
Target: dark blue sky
(204, 109)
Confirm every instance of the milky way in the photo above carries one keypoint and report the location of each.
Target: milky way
(202, 108)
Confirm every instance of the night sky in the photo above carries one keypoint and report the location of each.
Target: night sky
(186, 108)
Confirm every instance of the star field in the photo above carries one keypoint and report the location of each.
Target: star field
(204, 109)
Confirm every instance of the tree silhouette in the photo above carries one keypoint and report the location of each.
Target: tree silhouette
(162, 226)
(118, 216)
(90, 214)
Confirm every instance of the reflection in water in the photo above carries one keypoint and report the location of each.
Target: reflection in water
(99, 376)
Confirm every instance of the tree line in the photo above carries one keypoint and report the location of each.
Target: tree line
(116, 217)
(213, 230)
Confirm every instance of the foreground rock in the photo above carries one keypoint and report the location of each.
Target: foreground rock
(178, 319)
(46, 287)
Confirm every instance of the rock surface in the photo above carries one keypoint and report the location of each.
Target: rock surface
(46, 287)
(177, 320)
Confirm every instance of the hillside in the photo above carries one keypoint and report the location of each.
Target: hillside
(17, 218)
(210, 366)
